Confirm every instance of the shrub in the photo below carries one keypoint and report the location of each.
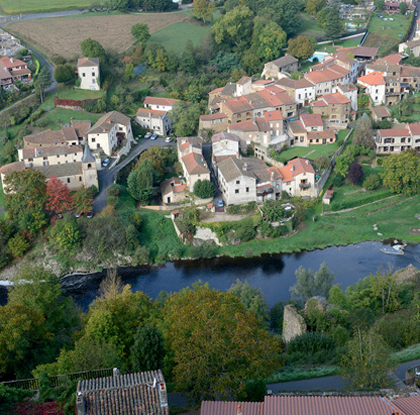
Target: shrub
(273, 210)
(114, 191)
(205, 251)
(245, 230)
(372, 182)
(64, 73)
(141, 256)
(18, 245)
(132, 238)
(355, 173)
(112, 201)
(137, 219)
(204, 189)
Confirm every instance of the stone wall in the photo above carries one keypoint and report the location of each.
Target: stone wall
(293, 323)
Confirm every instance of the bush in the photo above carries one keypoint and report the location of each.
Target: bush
(355, 173)
(112, 201)
(137, 218)
(206, 251)
(18, 245)
(114, 190)
(245, 231)
(372, 182)
(64, 73)
(141, 256)
(204, 189)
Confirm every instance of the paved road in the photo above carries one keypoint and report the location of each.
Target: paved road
(413, 27)
(107, 176)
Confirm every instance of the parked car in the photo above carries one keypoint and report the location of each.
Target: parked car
(148, 135)
(106, 162)
(90, 214)
(220, 203)
(153, 137)
(78, 214)
(380, 16)
(168, 140)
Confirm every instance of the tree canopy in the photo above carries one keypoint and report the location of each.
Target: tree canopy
(204, 189)
(203, 10)
(64, 73)
(92, 49)
(141, 32)
(301, 48)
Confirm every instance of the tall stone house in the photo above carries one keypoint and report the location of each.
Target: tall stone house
(335, 110)
(274, 69)
(88, 73)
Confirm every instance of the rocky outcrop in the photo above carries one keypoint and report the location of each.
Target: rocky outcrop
(407, 274)
(316, 303)
(204, 236)
(293, 323)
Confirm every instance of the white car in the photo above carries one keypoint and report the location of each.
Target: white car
(148, 135)
(153, 137)
(168, 140)
(106, 162)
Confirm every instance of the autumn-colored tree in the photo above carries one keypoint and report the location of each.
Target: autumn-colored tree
(301, 48)
(59, 196)
(367, 363)
(314, 6)
(402, 172)
(83, 201)
(355, 173)
(216, 345)
(203, 10)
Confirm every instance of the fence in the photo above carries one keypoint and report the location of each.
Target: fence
(33, 384)
(326, 174)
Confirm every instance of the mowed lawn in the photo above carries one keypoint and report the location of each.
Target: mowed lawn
(173, 37)
(62, 36)
(310, 28)
(36, 6)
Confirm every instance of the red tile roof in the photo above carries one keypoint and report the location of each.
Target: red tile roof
(195, 163)
(394, 132)
(381, 112)
(224, 136)
(263, 82)
(410, 406)
(257, 124)
(216, 116)
(160, 101)
(216, 91)
(311, 120)
(374, 78)
(12, 167)
(147, 112)
(326, 75)
(231, 408)
(275, 115)
(11, 63)
(414, 129)
(319, 135)
(327, 99)
(297, 127)
(394, 59)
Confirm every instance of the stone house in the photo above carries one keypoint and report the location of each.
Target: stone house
(154, 120)
(327, 79)
(350, 91)
(55, 155)
(309, 130)
(301, 90)
(88, 72)
(173, 191)
(273, 69)
(380, 113)
(396, 140)
(130, 394)
(111, 131)
(298, 178)
(335, 110)
(48, 138)
(243, 86)
(224, 145)
(160, 104)
(219, 95)
(190, 155)
(217, 122)
(81, 127)
(412, 45)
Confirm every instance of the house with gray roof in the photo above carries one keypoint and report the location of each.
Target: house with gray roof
(88, 71)
(131, 394)
(274, 69)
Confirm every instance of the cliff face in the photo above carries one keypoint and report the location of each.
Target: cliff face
(293, 323)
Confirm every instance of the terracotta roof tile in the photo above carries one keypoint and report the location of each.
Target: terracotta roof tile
(12, 167)
(11, 63)
(381, 112)
(374, 78)
(81, 126)
(410, 405)
(87, 62)
(195, 163)
(285, 61)
(414, 129)
(50, 151)
(275, 115)
(394, 59)
(224, 136)
(319, 135)
(160, 101)
(216, 116)
(148, 113)
(394, 132)
(311, 120)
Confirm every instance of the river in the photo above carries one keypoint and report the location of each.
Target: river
(273, 274)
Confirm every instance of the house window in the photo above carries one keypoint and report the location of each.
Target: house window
(237, 181)
(98, 146)
(93, 73)
(93, 81)
(68, 180)
(84, 75)
(237, 191)
(247, 189)
(80, 178)
(93, 140)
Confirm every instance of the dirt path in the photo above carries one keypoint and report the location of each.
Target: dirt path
(225, 217)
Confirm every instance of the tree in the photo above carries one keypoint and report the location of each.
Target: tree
(64, 73)
(92, 49)
(185, 118)
(213, 344)
(140, 182)
(268, 39)
(203, 10)
(234, 28)
(403, 8)
(43, 81)
(363, 133)
(372, 182)
(322, 162)
(355, 173)
(322, 17)
(310, 284)
(379, 5)
(65, 234)
(159, 158)
(288, 12)
(333, 23)
(59, 196)
(301, 48)
(342, 163)
(148, 350)
(141, 32)
(367, 363)
(26, 198)
(314, 6)
(83, 201)
(402, 172)
(128, 74)
(204, 189)
(18, 245)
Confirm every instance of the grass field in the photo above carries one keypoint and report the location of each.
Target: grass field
(37, 6)
(385, 34)
(310, 28)
(173, 37)
(62, 36)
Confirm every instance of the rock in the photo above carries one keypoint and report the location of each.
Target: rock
(379, 234)
(293, 323)
(407, 274)
(317, 302)
(375, 228)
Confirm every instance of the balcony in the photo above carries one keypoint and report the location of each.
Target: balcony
(304, 186)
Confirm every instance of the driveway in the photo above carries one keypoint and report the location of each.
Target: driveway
(107, 177)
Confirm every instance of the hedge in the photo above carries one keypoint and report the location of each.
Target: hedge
(354, 203)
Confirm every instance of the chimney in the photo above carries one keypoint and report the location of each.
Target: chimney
(272, 176)
(163, 396)
(115, 372)
(239, 411)
(245, 167)
(80, 404)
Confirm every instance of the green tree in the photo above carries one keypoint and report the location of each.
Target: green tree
(128, 73)
(333, 27)
(379, 5)
(159, 158)
(92, 49)
(288, 13)
(337, 297)
(25, 200)
(322, 17)
(301, 48)
(402, 173)
(234, 28)
(18, 245)
(82, 201)
(43, 81)
(251, 298)
(372, 182)
(403, 8)
(141, 32)
(363, 133)
(367, 363)
(203, 10)
(185, 118)
(314, 6)
(140, 182)
(204, 189)
(65, 234)
(310, 284)
(148, 350)
(64, 73)
(342, 163)
(212, 341)
(268, 38)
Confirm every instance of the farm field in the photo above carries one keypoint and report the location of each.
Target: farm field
(36, 6)
(62, 36)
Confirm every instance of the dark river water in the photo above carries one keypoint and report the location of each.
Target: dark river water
(273, 274)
